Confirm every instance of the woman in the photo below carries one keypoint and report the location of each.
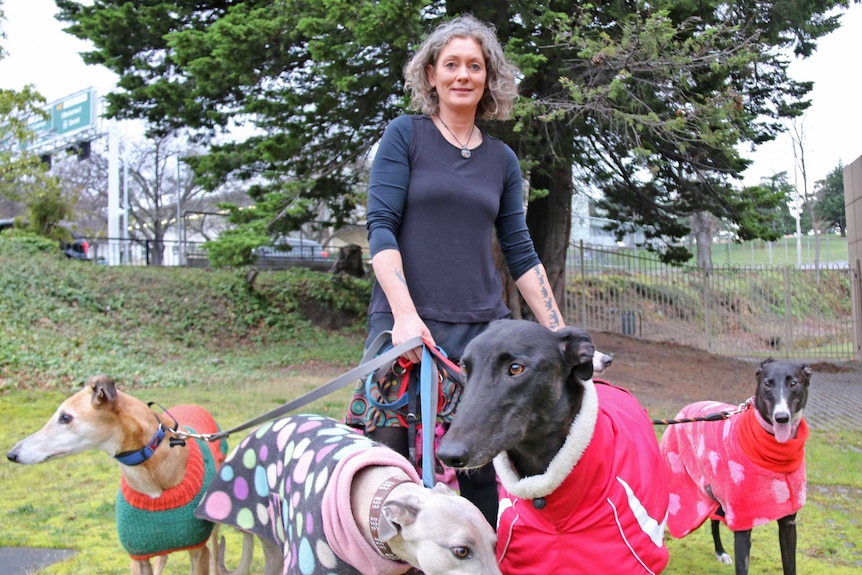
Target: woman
(439, 187)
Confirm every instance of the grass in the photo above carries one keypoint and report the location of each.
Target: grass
(181, 335)
(829, 526)
(783, 252)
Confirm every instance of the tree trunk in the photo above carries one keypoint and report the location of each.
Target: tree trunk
(550, 221)
(702, 227)
(511, 296)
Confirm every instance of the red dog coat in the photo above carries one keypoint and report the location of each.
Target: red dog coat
(601, 505)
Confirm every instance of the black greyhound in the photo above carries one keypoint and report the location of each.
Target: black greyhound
(578, 459)
(751, 467)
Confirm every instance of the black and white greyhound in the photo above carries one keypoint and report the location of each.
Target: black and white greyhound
(746, 470)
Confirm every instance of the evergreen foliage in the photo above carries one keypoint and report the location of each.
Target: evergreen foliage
(649, 103)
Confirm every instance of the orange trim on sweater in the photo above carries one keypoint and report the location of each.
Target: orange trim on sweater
(176, 496)
(199, 420)
(763, 450)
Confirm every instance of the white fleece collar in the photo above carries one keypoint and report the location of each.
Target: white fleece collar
(579, 437)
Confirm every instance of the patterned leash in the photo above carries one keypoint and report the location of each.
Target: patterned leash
(719, 416)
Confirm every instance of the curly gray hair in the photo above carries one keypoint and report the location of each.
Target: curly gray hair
(500, 91)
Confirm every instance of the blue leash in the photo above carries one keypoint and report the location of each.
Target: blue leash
(428, 398)
(428, 402)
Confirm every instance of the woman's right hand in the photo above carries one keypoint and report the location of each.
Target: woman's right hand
(409, 326)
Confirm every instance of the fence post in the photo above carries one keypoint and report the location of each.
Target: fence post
(706, 310)
(583, 299)
(856, 308)
(788, 314)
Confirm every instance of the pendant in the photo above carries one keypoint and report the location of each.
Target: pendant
(465, 153)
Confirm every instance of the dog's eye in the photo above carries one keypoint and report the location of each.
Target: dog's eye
(767, 383)
(64, 418)
(461, 552)
(516, 369)
(794, 383)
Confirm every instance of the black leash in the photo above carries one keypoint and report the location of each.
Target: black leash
(358, 372)
(719, 416)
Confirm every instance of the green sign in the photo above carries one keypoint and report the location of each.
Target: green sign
(72, 114)
(67, 118)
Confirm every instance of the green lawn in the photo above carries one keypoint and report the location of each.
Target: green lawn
(205, 337)
(833, 249)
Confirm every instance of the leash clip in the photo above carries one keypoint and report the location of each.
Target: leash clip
(742, 407)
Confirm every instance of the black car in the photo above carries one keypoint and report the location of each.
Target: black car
(78, 248)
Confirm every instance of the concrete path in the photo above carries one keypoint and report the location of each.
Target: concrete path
(29, 560)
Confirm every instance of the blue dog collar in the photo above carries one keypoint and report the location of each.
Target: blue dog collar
(132, 458)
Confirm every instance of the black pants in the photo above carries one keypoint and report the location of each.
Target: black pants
(476, 485)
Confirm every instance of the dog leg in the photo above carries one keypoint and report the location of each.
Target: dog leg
(719, 548)
(199, 560)
(142, 567)
(742, 549)
(273, 558)
(787, 541)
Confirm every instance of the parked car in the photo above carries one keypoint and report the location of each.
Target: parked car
(293, 248)
(78, 248)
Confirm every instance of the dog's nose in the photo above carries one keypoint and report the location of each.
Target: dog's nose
(781, 417)
(452, 455)
(13, 457)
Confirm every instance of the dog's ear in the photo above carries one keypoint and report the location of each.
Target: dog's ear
(577, 348)
(808, 372)
(762, 365)
(104, 389)
(395, 515)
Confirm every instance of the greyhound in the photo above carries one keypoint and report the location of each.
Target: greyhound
(156, 474)
(322, 498)
(578, 460)
(746, 470)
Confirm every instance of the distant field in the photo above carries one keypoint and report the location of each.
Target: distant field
(833, 250)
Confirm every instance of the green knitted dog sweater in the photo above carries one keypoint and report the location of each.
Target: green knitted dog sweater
(149, 527)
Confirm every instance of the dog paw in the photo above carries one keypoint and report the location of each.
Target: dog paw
(724, 558)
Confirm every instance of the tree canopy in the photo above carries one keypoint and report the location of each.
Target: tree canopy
(830, 207)
(649, 103)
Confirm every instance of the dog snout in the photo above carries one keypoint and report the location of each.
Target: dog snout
(781, 417)
(452, 454)
(12, 456)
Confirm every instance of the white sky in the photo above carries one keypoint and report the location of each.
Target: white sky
(40, 53)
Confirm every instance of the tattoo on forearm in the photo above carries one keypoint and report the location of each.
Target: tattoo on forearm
(399, 275)
(553, 317)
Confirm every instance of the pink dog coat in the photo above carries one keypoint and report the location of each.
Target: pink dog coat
(601, 505)
(734, 463)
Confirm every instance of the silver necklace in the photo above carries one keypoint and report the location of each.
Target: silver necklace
(465, 153)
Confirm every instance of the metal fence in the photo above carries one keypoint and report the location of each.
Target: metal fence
(744, 311)
(172, 253)
(758, 312)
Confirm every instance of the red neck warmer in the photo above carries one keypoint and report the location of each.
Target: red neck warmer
(762, 448)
